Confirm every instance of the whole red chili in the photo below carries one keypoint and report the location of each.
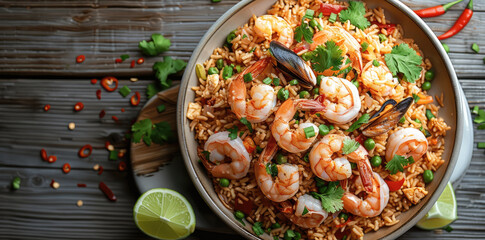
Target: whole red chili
(135, 99)
(81, 185)
(78, 106)
(327, 9)
(43, 154)
(460, 23)
(118, 60)
(47, 107)
(102, 113)
(140, 60)
(132, 64)
(100, 170)
(436, 10)
(83, 149)
(66, 168)
(122, 166)
(105, 189)
(80, 58)
(106, 83)
(52, 159)
(94, 81)
(98, 94)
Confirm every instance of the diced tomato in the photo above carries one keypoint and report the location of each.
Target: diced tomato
(390, 27)
(394, 185)
(327, 9)
(244, 206)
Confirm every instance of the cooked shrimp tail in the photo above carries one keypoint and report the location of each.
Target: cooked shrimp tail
(314, 216)
(373, 204)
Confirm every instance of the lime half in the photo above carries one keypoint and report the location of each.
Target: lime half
(442, 213)
(164, 214)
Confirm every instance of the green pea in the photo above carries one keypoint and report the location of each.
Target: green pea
(382, 37)
(276, 81)
(304, 94)
(231, 37)
(428, 176)
(319, 79)
(239, 215)
(213, 70)
(280, 158)
(426, 86)
(323, 130)
(315, 91)
(220, 63)
(289, 235)
(376, 161)
(267, 81)
(369, 144)
(224, 182)
(227, 72)
(344, 216)
(248, 77)
(294, 82)
(283, 94)
(446, 47)
(311, 30)
(429, 75)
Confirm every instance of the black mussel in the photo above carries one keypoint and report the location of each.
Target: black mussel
(383, 107)
(291, 64)
(383, 122)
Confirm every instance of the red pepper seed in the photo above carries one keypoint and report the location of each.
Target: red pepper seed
(43, 155)
(132, 65)
(52, 159)
(80, 58)
(140, 60)
(98, 94)
(94, 81)
(102, 113)
(81, 185)
(66, 168)
(100, 170)
(83, 153)
(122, 166)
(78, 106)
(118, 60)
(47, 107)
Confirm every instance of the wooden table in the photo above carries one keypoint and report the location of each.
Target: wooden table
(39, 41)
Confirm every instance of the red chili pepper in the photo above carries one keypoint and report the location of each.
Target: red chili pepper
(52, 183)
(43, 154)
(122, 110)
(390, 27)
(47, 107)
(132, 64)
(81, 185)
(100, 170)
(66, 168)
(327, 9)
(82, 151)
(115, 118)
(106, 82)
(78, 106)
(102, 113)
(118, 60)
(140, 60)
(135, 99)
(80, 58)
(105, 189)
(460, 23)
(121, 154)
(98, 94)
(122, 166)
(244, 206)
(94, 81)
(52, 159)
(360, 139)
(436, 10)
(394, 185)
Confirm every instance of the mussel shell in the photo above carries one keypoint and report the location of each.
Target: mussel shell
(290, 63)
(387, 120)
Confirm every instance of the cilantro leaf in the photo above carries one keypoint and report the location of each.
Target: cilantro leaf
(331, 198)
(167, 67)
(305, 211)
(355, 13)
(152, 90)
(158, 45)
(326, 57)
(405, 60)
(142, 129)
(398, 163)
(162, 133)
(159, 133)
(350, 146)
(247, 123)
(416, 97)
(272, 169)
(362, 120)
(303, 31)
(233, 132)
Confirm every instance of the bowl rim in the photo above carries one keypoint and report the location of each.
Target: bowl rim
(459, 104)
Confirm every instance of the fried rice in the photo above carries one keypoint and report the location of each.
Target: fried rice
(210, 113)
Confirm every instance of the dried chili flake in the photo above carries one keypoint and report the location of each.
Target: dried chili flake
(102, 113)
(132, 64)
(140, 60)
(47, 107)
(66, 168)
(122, 110)
(80, 58)
(81, 185)
(98, 94)
(83, 149)
(105, 189)
(78, 106)
(94, 81)
(100, 170)
(122, 166)
(52, 159)
(115, 118)
(43, 154)
(118, 60)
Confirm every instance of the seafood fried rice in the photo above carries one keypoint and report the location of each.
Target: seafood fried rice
(314, 121)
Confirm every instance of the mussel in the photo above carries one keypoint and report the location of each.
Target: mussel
(383, 121)
(291, 64)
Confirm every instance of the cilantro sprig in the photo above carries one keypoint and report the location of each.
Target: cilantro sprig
(362, 120)
(167, 67)
(158, 133)
(355, 14)
(158, 45)
(303, 31)
(405, 60)
(398, 163)
(328, 56)
(350, 146)
(331, 197)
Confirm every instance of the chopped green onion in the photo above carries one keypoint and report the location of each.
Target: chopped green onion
(353, 165)
(297, 122)
(227, 72)
(319, 79)
(280, 158)
(323, 130)
(212, 70)
(113, 155)
(305, 211)
(304, 94)
(16, 183)
(475, 48)
(331, 127)
(364, 46)
(316, 91)
(356, 83)
(344, 216)
(283, 94)
(481, 145)
(293, 82)
(376, 63)
(475, 110)
(382, 38)
(161, 108)
(231, 37)
(248, 77)
(289, 234)
(267, 81)
(313, 23)
(239, 215)
(275, 225)
(307, 56)
(215, 1)
(429, 114)
(238, 68)
(306, 158)
(416, 97)
(252, 50)
(276, 81)
(446, 47)
(481, 126)
(332, 18)
(124, 57)
(259, 149)
(309, 14)
(124, 91)
(309, 132)
(244, 36)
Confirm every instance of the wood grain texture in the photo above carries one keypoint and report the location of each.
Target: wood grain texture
(39, 41)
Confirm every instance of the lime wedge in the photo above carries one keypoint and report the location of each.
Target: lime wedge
(442, 213)
(164, 214)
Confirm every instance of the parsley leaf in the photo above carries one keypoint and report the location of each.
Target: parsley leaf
(141, 129)
(233, 132)
(158, 45)
(159, 133)
(167, 67)
(350, 146)
(331, 198)
(272, 169)
(355, 13)
(405, 60)
(397, 163)
(303, 31)
(152, 90)
(362, 120)
(325, 57)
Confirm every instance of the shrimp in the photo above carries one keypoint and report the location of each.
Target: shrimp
(379, 79)
(374, 202)
(294, 140)
(315, 215)
(266, 25)
(263, 97)
(342, 101)
(287, 181)
(329, 168)
(220, 145)
(344, 40)
(406, 142)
